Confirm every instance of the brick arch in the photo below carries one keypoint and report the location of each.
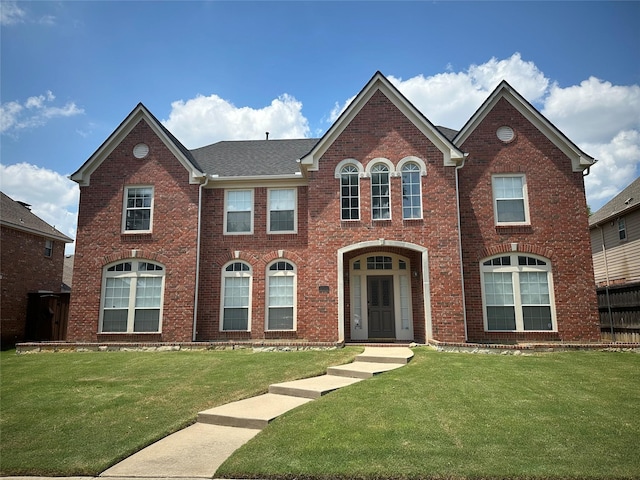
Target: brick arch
(230, 256)
(286, 255)
(521, 248)
(135, 254)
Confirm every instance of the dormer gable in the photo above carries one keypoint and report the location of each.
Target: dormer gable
(580, 161)
(140, 113)
(451, 155)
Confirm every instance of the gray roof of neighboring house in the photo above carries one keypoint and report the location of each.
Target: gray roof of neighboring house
(17, 215)
(248, 158)
(627, 200)
(450, 133)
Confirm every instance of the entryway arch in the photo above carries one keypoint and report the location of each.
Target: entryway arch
(383, 291)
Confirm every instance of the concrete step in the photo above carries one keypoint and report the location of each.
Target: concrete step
(399, 355)
(362, 369)
(254, 412)
(312, 387)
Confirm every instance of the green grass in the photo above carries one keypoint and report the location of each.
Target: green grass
(458, 416)
(79, 413)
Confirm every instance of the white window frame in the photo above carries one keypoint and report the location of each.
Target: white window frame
(295, 211)
(125, 208)
(226, 211)
(622, 229)
(133, 275)
(374, 165)
(418, 172)
(353, 172)
(48, 248)
(515, 270)
(524, 198)
(235, 274)
(282, 273)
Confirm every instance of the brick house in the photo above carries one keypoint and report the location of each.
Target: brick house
(32, 259)
(385, 229)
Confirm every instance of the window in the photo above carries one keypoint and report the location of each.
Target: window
(282, 211)
(380, 194)
(411, 194)
(510, 199)
(138, 211)
(622, 229)
(48, 248)
(236, 298)
(517, 293)
(132, 297)
(238, 212)
(350, 193)
(281, 288)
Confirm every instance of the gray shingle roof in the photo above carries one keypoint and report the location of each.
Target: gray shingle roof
(627, 199)
(450, 133)
(253, 157)
(16, 215)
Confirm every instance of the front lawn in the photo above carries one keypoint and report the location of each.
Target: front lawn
(460, 416)
(79, 413)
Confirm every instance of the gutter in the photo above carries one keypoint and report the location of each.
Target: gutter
(464, 301)
(197, 289)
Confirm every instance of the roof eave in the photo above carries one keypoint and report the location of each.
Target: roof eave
(53, 236)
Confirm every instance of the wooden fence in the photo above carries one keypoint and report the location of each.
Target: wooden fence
(619, 308)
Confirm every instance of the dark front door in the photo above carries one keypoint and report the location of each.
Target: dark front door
(380, 303)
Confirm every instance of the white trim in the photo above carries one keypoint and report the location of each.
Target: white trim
(372, 163)
(348, 161)
(125, 208)
(288, 273)
(426, 286)
(226, 211)
(134, 274)
(412, 159)
(525, 199)
(360, 173)
(223, 275)
(390, 173)
(422, 172)
(295, 212)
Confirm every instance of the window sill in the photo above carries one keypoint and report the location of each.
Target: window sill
(511, 229)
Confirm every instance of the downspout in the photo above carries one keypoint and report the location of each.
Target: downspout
(464, 301)
(197, 289)
(606, 287)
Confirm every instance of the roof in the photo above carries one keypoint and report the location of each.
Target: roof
(140, 112)
(580, 161)
(18, 216)
(247, 158)
(626, 201)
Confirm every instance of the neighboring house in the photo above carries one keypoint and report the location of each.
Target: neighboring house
(32, 256)
(385, 229)
(615, 244)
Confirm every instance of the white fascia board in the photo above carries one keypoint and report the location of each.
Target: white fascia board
(83, 175)
(579, 160)
(257, 181)
(451, 156)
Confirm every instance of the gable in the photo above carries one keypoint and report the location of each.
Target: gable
(83, 175)
(580, 161)
(451, 155)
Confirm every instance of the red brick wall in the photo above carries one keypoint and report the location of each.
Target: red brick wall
(379, 130)
(558, 230)
(25, 269)
(172, 243)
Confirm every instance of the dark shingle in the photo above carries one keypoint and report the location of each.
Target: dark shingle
(253, 157)
(16, 215)
(626, 199)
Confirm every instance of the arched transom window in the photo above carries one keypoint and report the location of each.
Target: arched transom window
(132, 297)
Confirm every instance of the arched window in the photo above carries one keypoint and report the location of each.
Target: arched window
(236, 297)
(411, 191)
(350, 193)
(517, 293)
(132, 297)
(281, 296)
(380, 192)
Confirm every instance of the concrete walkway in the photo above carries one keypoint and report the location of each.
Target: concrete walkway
(197, 451)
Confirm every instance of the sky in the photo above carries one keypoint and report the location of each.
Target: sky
(71, 71)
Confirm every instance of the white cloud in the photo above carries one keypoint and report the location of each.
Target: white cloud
(601, 118)
(11, 13)
(205, 120)
(52, 196)
(36, 111)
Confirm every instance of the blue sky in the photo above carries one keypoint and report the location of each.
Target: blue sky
(71, 71)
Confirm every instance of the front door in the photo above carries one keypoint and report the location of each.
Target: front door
(380, 306)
